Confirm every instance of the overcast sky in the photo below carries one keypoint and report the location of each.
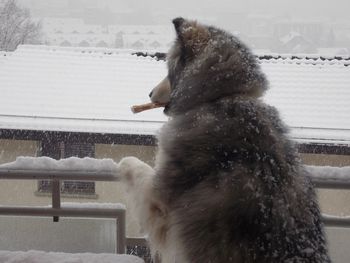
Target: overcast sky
(306, 9)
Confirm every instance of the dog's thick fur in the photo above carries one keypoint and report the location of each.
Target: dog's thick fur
(227, 185)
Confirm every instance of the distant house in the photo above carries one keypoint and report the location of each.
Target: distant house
(155, 44)
(141, 29)
(137, 45)
(294, 43)
(334, 52)
(66, 43)
(147, 42)
(63, 102)
(75, 33)
(84, 43)
(313, 30)
(101, 44)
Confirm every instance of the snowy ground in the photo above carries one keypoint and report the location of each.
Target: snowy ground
(55, 257)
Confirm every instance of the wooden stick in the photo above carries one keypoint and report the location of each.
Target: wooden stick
(146, 106)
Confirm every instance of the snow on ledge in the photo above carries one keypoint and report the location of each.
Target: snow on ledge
(329, 172)
(88, 164)
(68, 164)
(75, 205)
(93, 205)
(98, 165)
(33, 256)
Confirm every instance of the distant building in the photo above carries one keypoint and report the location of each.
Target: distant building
(74, 32)
(148, 42)
(309, 29)
(294, 43)
(334, 52)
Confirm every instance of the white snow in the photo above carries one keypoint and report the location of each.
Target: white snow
(311, 95)
(68, 164)
(95, 165)
(93, 205)
(330, 172)
(336, 217)
(33, 256)
(78, 89)
(92, 89)
(85, 205)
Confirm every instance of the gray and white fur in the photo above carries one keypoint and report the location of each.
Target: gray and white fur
(228, 185)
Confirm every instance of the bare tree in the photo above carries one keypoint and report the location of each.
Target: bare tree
(16, 26)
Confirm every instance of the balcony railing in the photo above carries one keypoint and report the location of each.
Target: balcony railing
(323, 177)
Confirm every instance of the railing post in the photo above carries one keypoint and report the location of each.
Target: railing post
(56, 197)
(121, 232)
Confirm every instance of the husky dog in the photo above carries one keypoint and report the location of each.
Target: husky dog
(227, 185)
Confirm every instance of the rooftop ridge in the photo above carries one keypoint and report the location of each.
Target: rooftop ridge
(311, 59)
(314, 59)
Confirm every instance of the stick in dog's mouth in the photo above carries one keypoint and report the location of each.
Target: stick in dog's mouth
(146, 106)
(160, 97)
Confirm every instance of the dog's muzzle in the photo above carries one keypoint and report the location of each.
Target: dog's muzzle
(161, 92)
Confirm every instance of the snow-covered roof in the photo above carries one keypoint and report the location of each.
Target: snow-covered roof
(92, 89)
(78, 90)
(312, 96)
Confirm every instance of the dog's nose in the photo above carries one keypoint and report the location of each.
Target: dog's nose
(150, 95)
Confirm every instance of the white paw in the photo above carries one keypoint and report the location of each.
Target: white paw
(131, 169)
(126, 166)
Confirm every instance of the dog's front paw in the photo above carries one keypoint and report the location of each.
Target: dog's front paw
(126, 168)
(131, 169)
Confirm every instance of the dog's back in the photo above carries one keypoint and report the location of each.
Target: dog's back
(235, 188)
(229, 178)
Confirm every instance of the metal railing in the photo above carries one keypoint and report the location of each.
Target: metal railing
(56, 211)
(337, 181)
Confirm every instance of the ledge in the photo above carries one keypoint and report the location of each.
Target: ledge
(65, 195)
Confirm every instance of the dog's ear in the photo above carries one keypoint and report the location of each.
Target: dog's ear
(178, 23)
(192, 36)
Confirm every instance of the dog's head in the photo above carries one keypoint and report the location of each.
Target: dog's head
(206, 64)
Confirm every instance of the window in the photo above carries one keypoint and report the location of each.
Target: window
(59, 150)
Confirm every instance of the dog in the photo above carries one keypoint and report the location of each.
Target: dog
(227, 185)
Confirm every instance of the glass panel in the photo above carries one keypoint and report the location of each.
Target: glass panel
(339, 240)
(68, 235)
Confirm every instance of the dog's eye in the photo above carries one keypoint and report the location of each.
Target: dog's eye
(174, 73)
(171, 78)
